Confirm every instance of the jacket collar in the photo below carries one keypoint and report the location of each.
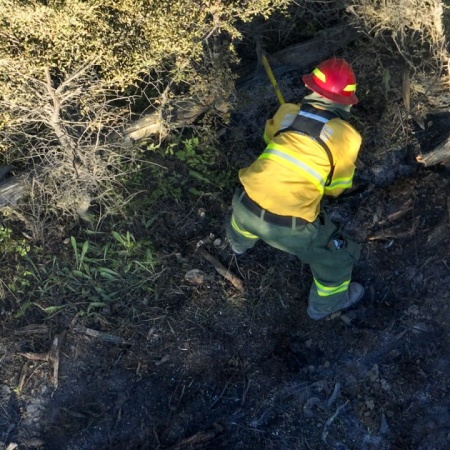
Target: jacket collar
(316, 100)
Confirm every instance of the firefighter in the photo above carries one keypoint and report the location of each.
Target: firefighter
(311, 151)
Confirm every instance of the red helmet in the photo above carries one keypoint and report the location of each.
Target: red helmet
(335, 80)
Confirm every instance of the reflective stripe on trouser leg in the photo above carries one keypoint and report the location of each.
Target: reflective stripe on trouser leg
(326, 291)
(331, 268)
(236, 227)
(239, 239)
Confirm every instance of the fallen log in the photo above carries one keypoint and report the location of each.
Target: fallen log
(183, 112)
(326, 42)
(177, 114)
(439, 155)
(11, 191)
(301, 56)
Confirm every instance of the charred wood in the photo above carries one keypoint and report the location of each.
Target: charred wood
(11, 191)
(301, 56)
(438, 155)
(183, 112)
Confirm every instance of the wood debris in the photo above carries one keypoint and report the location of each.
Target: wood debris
(32, 329)
(52, 357)
(397, 231)
(233, 279)
(448, 208)
(105, 337)
(406, 207)
(439, 155)
(200, 438)
(22, 378)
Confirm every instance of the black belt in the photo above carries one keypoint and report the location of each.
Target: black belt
(276, 219)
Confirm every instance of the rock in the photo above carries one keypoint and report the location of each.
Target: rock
(195, 276)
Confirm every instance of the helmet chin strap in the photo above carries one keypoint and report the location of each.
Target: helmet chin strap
(314, 99)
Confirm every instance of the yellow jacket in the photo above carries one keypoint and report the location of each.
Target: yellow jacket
(289, 176)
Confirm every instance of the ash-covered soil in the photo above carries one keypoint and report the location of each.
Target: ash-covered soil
(205, 366)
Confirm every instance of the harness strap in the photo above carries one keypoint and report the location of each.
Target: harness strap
(310, 121)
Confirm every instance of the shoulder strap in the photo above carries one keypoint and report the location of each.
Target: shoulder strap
(310, 121)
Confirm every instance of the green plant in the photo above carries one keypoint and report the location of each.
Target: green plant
(204, 162)
(8, 244)
(104, 269)
(189, 153)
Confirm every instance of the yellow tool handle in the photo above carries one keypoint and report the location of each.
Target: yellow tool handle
(272, 79)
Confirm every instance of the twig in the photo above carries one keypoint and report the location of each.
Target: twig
(106, 337)
(35, 356)
(448, 208)
(55, 121)
(395, 232)
(309, 405)
(198, 438)
(52, 356)
(233, 279)
(80, 72)
(246, 389)
(23, 375)
(32, 329)
(220, 396)
(334, 395)
(330, 421)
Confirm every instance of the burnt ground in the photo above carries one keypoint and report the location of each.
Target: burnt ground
(201, 365)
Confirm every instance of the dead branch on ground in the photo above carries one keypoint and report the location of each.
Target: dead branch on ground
(330, 421)
(200, 438)
(105, 337)
(438, 155)
(233, 279)
(52, 356)
(397, 232)
(32, 329)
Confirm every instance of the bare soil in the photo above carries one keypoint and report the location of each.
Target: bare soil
(202, 365)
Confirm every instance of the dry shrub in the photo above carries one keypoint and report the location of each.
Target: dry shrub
(415, 27)
(69, 71)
